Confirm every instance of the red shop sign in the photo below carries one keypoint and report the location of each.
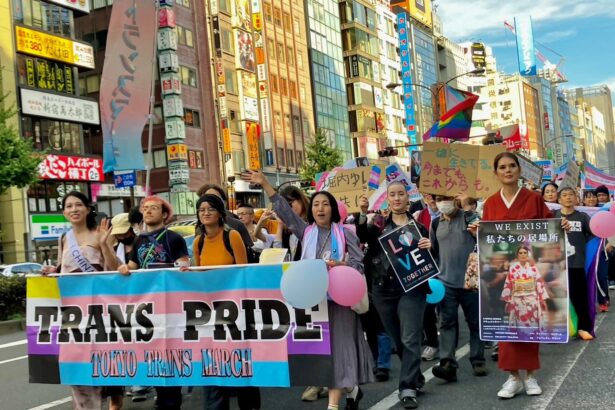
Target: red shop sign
(71, 168)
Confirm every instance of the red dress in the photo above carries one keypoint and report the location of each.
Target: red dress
(528, 205)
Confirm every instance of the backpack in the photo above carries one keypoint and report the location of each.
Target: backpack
(226, 237)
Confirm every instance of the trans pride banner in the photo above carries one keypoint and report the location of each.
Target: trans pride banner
(226, 326)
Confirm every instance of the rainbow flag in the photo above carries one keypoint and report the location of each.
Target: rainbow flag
(455, 124)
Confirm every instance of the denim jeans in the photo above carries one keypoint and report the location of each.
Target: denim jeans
(603, 278)
(402, 317)
(449, 308)
(383, 361)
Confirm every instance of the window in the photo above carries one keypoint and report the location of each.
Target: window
(235, 123)
(184, 36)
(277, 17)
(290, 158)
(45, 16)
(299, 60)
(287, 24)
(283, 87)
(299, 159)
(292, 86)
(157, 114)
(188, 76)
(274, 83)
(281, 52)
(225, 6)
(230, 79)
(302, 94)
(277, 120)
(192, 118)
(290, 56)
(160, 158)
(268, 16)
(281, 160)
(296, 125)
(52, 135)
(271, 48)
(297, 27)
(287, 124)
(226, 38)
(185, 3)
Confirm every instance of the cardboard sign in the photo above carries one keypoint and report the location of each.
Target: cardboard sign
(411, 265)
(348, 185)
(451, 168)
(531, 257)
(530, 171)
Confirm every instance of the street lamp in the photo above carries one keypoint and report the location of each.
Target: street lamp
(478, 71)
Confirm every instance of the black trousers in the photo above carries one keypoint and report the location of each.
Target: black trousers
(577, 287)
(169, 398)
(217, 397)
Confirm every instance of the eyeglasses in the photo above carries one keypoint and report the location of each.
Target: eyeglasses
(207, 211)
(152, 208)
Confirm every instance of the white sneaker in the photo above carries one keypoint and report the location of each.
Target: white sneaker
(512, 387)
(429, 353)
(531, 387)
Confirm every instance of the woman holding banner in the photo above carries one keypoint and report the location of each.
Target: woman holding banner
(85, 248)
(323, 237)
(514, 203)
(401, 312)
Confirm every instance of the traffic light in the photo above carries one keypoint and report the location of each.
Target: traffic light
(388, 152)
(307, 184)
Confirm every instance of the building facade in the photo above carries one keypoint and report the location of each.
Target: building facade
(326, 59)
(42, 82)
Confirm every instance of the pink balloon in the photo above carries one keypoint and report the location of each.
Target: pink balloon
(343, 210)
(602, 224)
(612, 207)
(347, 285)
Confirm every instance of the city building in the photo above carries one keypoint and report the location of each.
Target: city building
(42, 82)
(326, 59)
(546, 95)
(600, 98)
(361, 47)
(564, 144)
(184, 150)
(392, 94)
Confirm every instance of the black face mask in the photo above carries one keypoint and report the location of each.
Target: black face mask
(127, 241)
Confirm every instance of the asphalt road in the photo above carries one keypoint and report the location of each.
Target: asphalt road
(579, 375)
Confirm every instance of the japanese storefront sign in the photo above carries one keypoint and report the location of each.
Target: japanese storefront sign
(59, 107)
(405, 53)
(348, 185)
(253, 146)
(226, 136)
(71, 168)
(48, 226)
(81, 5)
(451, 168)
(523, 281)
(48, 75)
(411, 265)
(177, 152)
(45, 45)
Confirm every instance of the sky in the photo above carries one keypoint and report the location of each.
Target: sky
(582, 31)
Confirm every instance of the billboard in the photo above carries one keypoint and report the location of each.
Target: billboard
(71, 168)
(39, 44)
(420, 10)
(59, 107)
(525, 45)
(405, 55)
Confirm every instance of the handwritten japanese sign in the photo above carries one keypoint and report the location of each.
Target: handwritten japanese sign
(349, 185)
(451, 168)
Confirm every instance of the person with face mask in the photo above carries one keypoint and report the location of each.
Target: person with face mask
(122, 232)
(452, 244)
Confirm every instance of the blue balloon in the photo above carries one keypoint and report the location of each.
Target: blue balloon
(437, 291)
(304, 283)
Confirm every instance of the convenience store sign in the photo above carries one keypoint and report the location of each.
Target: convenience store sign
(48, 226)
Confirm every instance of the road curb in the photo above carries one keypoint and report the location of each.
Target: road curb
(11, 326)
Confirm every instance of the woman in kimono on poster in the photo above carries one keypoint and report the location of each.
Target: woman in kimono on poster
(524, 293)
(514, 203)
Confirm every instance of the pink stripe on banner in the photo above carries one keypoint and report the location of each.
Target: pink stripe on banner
(36, 348)
(172, 302)
(274, 351)
(311, 347)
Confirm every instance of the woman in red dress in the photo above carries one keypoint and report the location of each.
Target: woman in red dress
(516, 203)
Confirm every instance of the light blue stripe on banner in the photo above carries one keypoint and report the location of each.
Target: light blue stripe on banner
(234, 278)
(266, 374)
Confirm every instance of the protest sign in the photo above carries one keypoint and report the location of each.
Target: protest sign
(347, 185)
(570, 178)
(523, 281)
(451, 168)
(394, 173)
(530, 171)
(411, 265)
(547, 167)
(415, 165)
(225, 326)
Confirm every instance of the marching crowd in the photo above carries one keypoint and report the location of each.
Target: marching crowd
(312, 228)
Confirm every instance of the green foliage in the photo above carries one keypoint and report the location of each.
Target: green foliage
(320, 156)
(19, 165)
(12, 296)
